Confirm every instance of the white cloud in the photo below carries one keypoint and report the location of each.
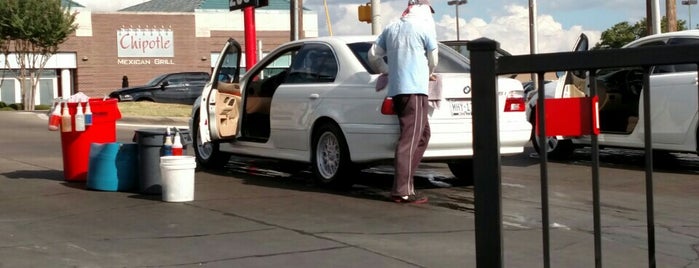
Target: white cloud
(509, 26)
(510, 29)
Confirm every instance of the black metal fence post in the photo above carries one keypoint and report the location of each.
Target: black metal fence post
(486, 154)
(543, 167)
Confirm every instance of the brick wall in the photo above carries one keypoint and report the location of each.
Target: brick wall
(99, 72)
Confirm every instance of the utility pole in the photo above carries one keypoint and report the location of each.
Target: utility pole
(296, 16)
(376, 26)
(652, 14)
(457, 3)
(532, 35)
(656, 17)
(293, 6)
(671, 14)
(300, 19)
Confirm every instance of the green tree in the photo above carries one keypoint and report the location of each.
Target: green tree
(623, 32)
(31, 31)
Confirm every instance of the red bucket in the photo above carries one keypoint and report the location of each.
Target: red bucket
(76, 144)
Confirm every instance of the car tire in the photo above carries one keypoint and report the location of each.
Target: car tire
(462, 169)
(208, 155)
(557, 148)
(331, 162)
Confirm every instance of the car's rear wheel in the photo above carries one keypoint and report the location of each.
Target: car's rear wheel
(462, 170)
(331, 162)
(208, 154)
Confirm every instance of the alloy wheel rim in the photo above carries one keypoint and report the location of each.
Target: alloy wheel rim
(204, 149)
(328, 155)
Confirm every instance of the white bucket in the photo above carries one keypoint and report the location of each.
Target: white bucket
(177, 173)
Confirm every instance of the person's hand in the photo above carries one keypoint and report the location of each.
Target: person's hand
(433, 77)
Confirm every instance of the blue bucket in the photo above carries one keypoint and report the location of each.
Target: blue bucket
(127, 166)
(112, 166)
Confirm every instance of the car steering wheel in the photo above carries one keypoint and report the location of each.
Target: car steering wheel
(634, 80)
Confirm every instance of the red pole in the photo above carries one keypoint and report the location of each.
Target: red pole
(250, 37)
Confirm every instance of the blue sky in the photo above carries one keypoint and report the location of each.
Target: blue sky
(559, 22)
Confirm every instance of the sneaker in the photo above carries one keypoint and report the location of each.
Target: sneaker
(411, 199)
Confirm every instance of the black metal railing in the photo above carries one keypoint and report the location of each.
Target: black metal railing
(485, 68)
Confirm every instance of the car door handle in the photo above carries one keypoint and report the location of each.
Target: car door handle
(314, 96)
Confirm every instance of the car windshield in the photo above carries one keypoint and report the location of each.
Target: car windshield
(450, 61)
(156, 80)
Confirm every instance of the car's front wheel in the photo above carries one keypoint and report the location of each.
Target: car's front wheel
(208, 154)
(462, 170)
(331, 162)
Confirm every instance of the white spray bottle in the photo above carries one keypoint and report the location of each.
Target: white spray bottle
(88, 114)
(79, 118)
(65, 119)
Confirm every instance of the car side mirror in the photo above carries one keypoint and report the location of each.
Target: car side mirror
(164, 84)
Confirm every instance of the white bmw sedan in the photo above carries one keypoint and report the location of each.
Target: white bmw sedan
(673, 102)
(314, 102)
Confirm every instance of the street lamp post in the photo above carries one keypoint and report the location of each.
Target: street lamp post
(457, 3)
(689, 4)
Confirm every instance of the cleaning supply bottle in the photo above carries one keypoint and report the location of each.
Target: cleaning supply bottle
(55, 117)
(65, 119)
(88, 114)
(167, 146)
(79, 118)
(177, 144)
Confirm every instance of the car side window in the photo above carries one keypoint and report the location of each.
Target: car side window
(315, 63)
(266, 80)
(197, 78)
(688, 67)
(673, 68)
(175, 80)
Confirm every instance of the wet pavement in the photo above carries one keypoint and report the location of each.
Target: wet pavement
(251, 213)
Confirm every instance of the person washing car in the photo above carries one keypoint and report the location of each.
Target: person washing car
(410, 47)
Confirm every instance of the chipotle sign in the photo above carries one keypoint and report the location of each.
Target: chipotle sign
(145, 43)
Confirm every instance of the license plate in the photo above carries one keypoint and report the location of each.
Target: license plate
(461, 107)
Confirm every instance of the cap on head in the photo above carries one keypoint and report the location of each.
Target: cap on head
(421, 2)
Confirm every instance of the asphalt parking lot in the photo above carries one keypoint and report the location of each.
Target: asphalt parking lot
(245, 216)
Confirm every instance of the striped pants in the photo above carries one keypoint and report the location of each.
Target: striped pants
(414, 136)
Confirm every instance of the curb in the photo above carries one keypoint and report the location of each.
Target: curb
(161, 120)
(136, 120)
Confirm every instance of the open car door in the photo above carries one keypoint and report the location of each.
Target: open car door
(574, 83)
(221, 103)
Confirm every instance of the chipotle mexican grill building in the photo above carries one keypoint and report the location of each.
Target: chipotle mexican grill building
(149, 39)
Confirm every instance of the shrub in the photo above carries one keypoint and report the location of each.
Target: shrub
(16, 106)
(2, 104)
(42, 107)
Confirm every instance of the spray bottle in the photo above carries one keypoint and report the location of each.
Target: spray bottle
(88, 114)
(167, 146)
(55, 117)
(65, 119)
(177, 144)
(79, 118)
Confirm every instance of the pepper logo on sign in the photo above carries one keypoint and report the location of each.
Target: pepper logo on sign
(240, 4)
